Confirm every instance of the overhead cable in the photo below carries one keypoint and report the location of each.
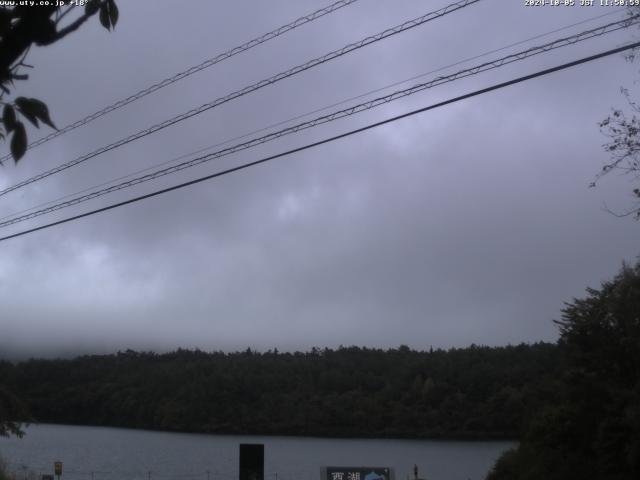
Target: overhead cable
(330, 139)
(251, 88)
(303, 115)
(595, 32)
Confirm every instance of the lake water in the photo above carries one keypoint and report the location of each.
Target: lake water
(97, 453)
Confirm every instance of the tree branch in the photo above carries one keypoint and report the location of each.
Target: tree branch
(635, 211)
(72, 27)
(63, 14)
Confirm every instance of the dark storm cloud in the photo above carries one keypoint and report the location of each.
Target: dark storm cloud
(472, 223)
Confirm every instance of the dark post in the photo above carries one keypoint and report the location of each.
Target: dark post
(251, 461)
(57, 469)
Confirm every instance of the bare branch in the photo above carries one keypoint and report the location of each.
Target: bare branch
(635, 212)
(20, 62)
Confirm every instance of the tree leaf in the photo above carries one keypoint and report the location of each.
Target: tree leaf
(26, 109)
(44, 116)
(113, 12)
(44, 32)
(9, 118)
(18, 142)
(91, 7)
(104, 16)
(36, 108)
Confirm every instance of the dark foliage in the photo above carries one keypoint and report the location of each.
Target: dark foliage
(594, 430)
(11, 408)
(21, 27)
(475, 392)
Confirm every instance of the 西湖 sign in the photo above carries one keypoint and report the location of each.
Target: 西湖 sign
(356, 473)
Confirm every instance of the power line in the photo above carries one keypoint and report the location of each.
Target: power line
(298, 117)
(331, 139)
(190, 71)
(588, 34)
(251, 88)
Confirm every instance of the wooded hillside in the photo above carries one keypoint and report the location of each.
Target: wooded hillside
(475, 392)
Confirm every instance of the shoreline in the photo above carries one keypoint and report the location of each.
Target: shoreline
(444, 438)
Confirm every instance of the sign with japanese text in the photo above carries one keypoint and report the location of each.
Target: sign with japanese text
(356, 473)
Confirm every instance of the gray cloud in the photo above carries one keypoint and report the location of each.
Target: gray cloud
(469, 224)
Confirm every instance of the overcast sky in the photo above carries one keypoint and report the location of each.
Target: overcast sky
(472, 223)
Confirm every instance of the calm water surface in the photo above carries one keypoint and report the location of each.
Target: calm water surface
(120, 454)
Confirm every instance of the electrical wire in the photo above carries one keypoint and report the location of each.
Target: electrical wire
(330, 139)
(251, 88)
(298, 117)
(190, 71)
(519, 56)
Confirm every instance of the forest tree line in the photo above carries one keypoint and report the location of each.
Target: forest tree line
(474, 392)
